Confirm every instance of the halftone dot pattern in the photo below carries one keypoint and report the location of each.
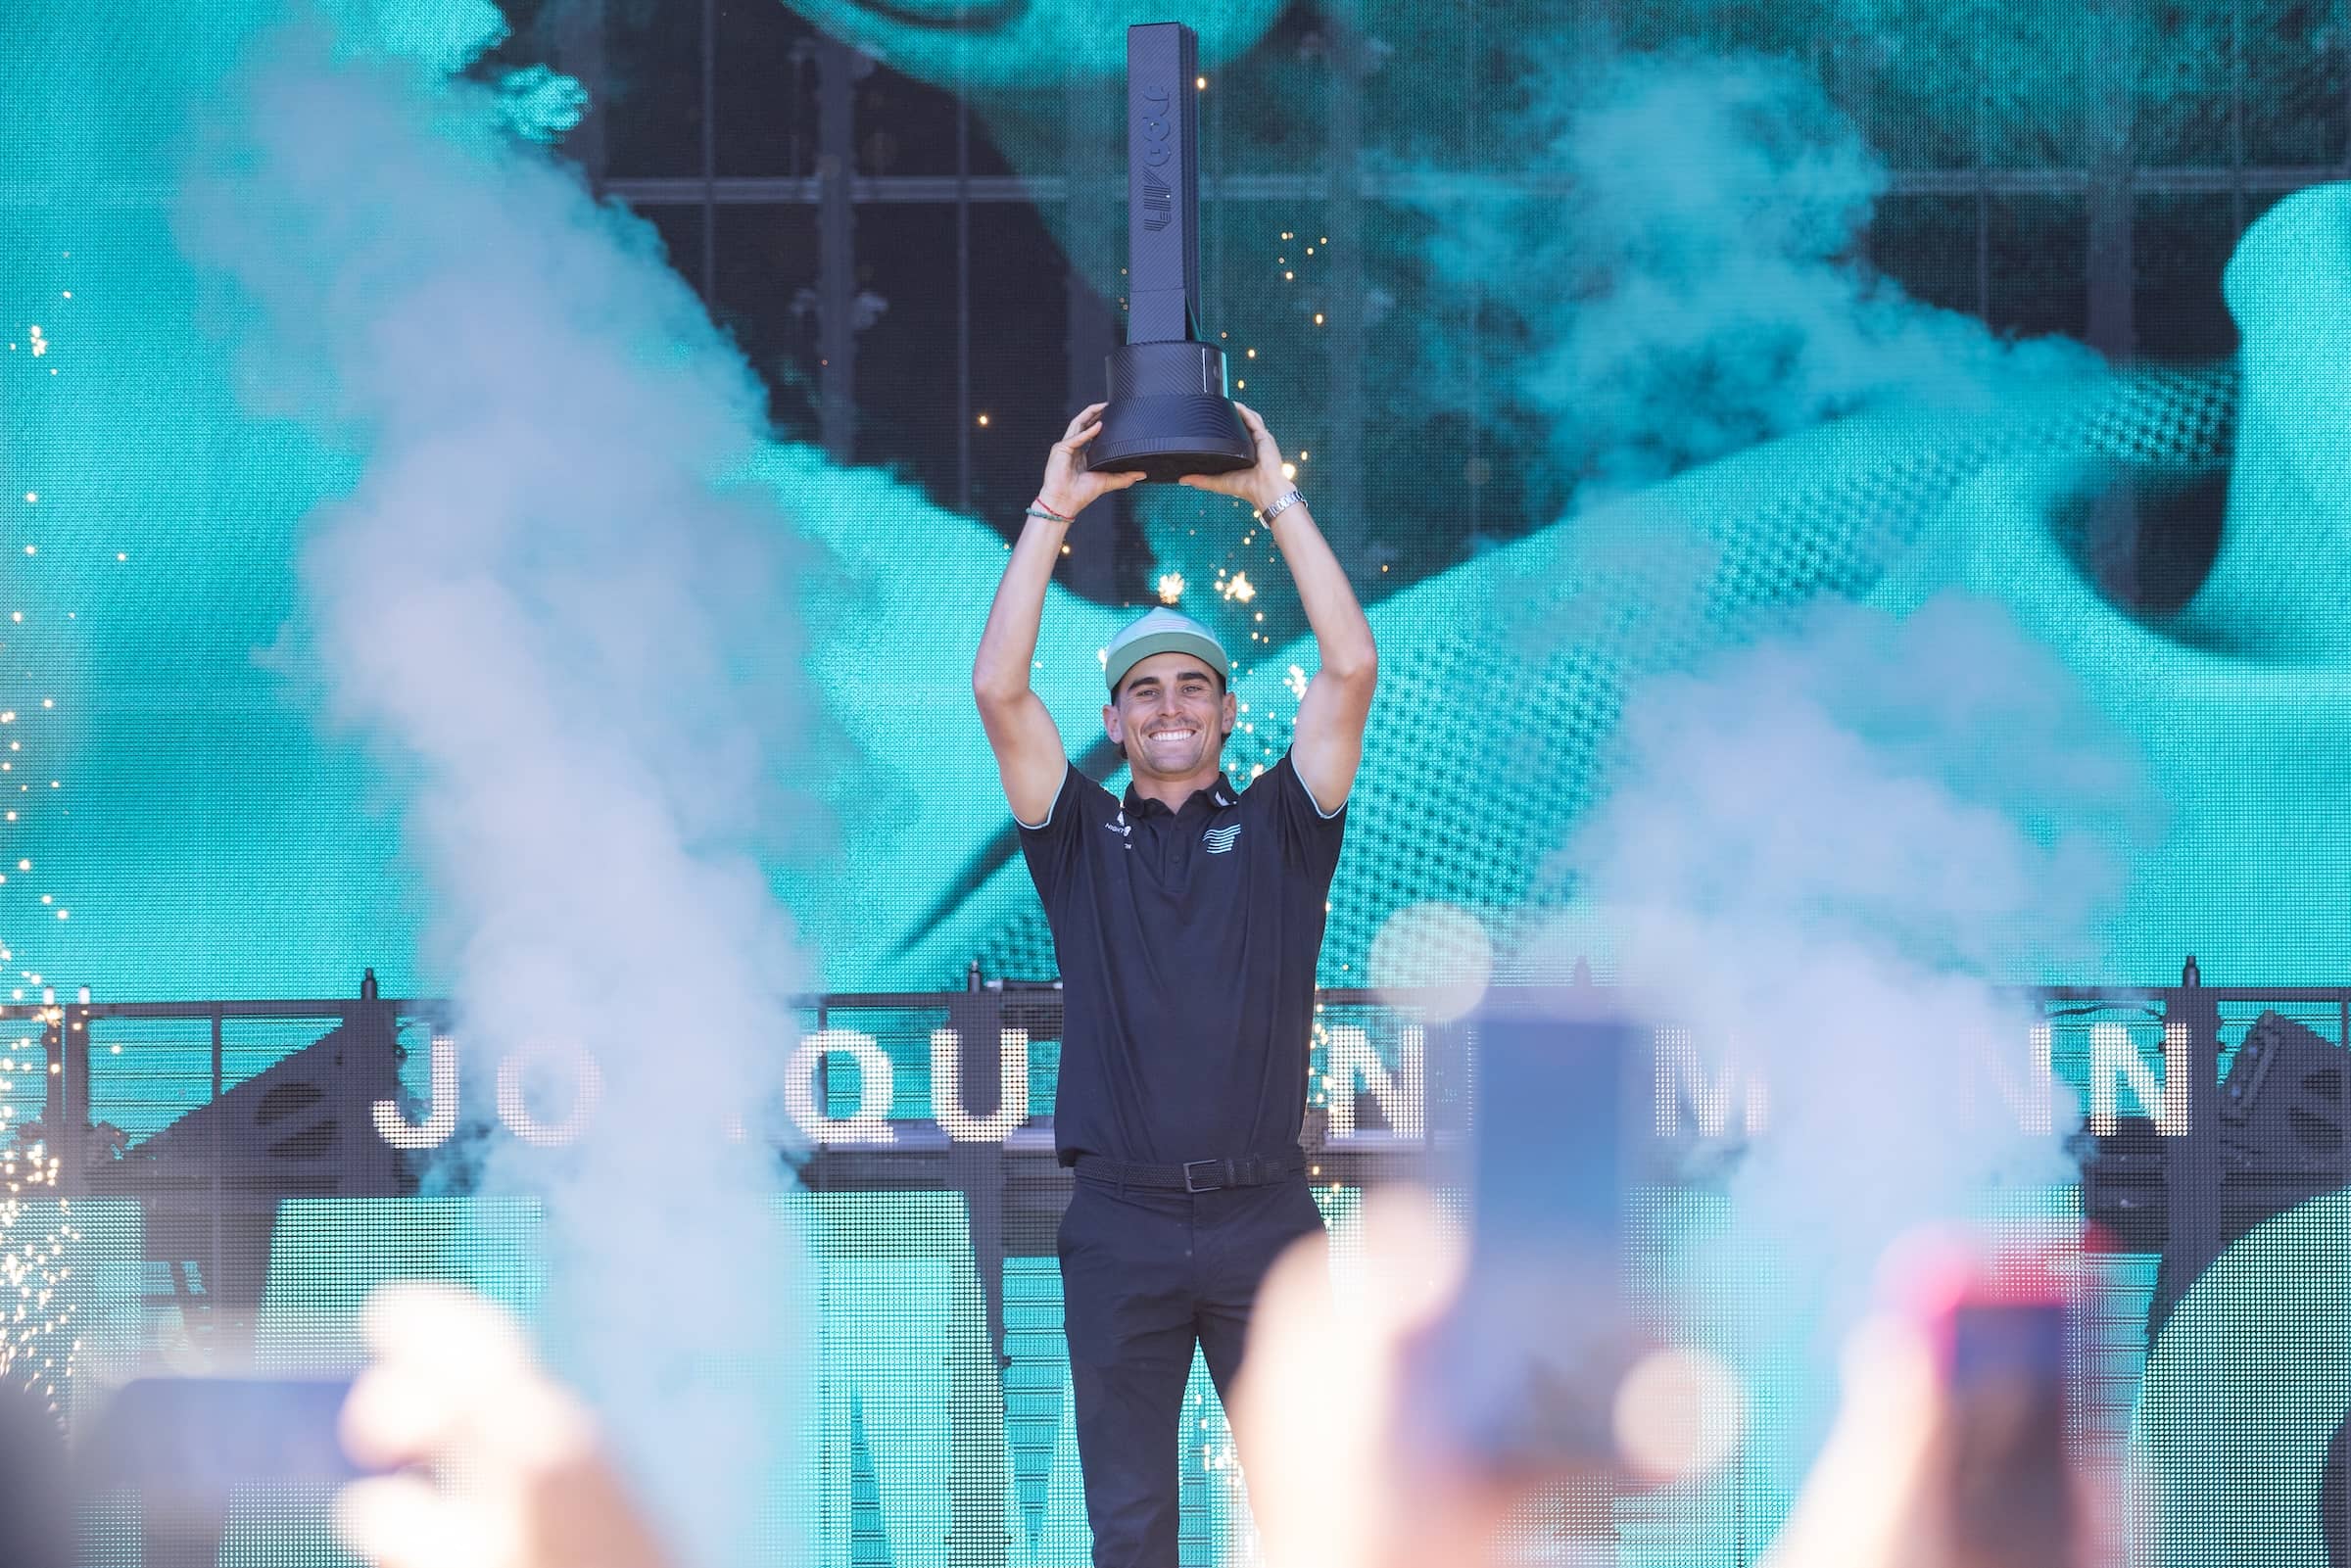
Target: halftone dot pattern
(915, 1441)
(2254, 1351)
(911, 1399)
(282, 1527)
(1040, 1440)
(1502, 682)
(328, 1256)
(221, 841)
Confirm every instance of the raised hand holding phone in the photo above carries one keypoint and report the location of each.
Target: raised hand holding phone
(1954, 1446)
(1400, 1423)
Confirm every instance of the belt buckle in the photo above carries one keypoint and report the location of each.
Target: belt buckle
(1216, 1168)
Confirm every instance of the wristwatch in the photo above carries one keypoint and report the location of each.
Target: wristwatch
(1267, 513)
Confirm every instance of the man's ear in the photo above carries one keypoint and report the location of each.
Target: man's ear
(1230, 713)
(1110, 723)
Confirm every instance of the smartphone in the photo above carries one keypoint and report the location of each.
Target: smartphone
(1522, 1374)
(2004, 1323)
(193, 1441)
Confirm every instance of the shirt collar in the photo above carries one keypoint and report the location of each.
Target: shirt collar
(1215, 798)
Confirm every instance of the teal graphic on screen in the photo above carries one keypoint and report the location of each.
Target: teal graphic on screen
(1542, 503)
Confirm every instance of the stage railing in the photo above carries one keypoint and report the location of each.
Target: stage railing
(211, 1112)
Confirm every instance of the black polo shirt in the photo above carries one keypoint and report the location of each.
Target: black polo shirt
(1187, 942)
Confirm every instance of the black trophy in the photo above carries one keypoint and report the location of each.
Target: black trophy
(1169, 414)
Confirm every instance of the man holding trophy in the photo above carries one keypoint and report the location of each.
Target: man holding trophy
(1187, 918)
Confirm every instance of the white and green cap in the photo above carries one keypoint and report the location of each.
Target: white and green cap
(1164, 630)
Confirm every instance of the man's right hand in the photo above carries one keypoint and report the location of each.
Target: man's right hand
(1069, 488)
(1027, 747)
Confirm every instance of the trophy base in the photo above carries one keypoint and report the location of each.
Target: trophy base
(1169, 416)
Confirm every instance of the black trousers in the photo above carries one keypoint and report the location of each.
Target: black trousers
(1145, 1275)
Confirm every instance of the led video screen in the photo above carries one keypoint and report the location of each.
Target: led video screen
(500, 504)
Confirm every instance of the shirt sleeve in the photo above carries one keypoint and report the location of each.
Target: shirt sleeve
(1052, 846)
(1310, 836)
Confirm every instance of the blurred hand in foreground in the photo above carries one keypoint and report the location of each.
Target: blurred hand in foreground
(1899, 1482)
(1322, 1415)
(1341, 1474)
(1868, 1500)
(456, 1392)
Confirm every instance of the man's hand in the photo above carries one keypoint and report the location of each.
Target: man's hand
(1262, 486)
(1069, 488)
(1326, 745)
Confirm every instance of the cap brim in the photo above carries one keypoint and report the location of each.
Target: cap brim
(1170, 642)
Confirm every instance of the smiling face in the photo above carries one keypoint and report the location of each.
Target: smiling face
(1172, 715)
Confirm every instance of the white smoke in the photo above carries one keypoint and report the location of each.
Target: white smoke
(1830, 853)
(1673, 270)
(543, 600)
(1827, 850)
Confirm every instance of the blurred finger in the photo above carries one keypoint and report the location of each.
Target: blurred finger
(393, 1417)
(422, 1321)
(454, 1373)
(1084, 416)
(401, 1522)
(1413, 1259)
(1081, 436)
(1863, 1503)
(439, 1353)
(1319, 1411)
(1312, 1486)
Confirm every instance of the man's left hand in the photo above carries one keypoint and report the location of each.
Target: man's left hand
(1261, 486)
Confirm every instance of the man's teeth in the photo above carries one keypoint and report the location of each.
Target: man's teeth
(1173, 735)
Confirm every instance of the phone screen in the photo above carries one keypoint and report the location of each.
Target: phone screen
(1524, 1371)
(198, 1439)
(2011, 1477)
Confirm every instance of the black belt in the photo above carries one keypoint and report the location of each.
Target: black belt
(1196, 1175)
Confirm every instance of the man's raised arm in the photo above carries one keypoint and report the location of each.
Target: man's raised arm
(1329, 738)
(1027, 747)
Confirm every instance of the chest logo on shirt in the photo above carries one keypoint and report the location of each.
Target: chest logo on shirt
(1123, 829)
(1219, 840)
